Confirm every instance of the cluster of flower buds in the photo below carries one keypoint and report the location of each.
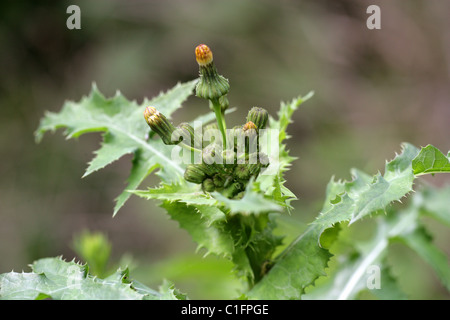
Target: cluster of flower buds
(229, 175)
(225, 168)
(228, 171)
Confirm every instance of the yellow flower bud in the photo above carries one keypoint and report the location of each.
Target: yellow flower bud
(159, 124)
(203, 55)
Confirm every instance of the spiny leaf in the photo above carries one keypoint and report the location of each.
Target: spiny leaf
(304, 260)
(169, 292)
(197, 221)
(253, 202)
(271, 179)
(351, 276)
(183, 192)
(361, 197)
(430, 160)
(124, 131)
(60, 280)
(57, 279)
(294, 270)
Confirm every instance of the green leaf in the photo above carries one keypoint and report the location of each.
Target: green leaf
(187, 193)
(271, 180)
(205, 226)
(419, 240)
(363, 196)
(352, 274)
(57, 279)
(430, 160)
(253, 202)
(295, 269)
(169, 292)
(124, 131)
(60, 280)
(434, 203)
(304, 260)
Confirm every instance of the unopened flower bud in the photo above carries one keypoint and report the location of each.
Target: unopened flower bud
(212, 154)
(208, 185)
(211, 85)
(189, 135)
(196, 173)
(249, 126)
(218, 180)
(250, 136)
(242, 171)
(203, 55)
(258, 116)
(232, 190)
(159, 124)
(224, 103)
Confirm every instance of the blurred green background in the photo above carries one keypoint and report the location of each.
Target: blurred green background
(374, 89)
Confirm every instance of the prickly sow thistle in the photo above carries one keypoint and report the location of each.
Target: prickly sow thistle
(223, 167)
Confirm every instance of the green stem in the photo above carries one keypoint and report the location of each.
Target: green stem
(182, 144)
(220, 120)
(192, 149)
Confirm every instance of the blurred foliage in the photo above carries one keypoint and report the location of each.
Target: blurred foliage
(373, 89)
(95, 249)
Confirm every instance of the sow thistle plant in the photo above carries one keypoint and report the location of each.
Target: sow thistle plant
(226, 188)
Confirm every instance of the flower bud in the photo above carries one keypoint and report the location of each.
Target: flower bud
(189, 134)
(218, 180)
(232, 190)
(211, 85)
(242, 171)
(159, 124)
(196, 173)
(258, 116)
(208, 185)
(250, 137)
(249, 126)
(224, 103)
(203, 55)
(212, 154)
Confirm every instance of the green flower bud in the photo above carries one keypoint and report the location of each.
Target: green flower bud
(233, 135)
(208, 185)
(159, 124)
(258, 116)
(188, 132)
(196, 173)
(219, 180)
(232, 190)
(249, 136)
(242, 171)
(224, 103)
(212, 154)
(211, 85)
